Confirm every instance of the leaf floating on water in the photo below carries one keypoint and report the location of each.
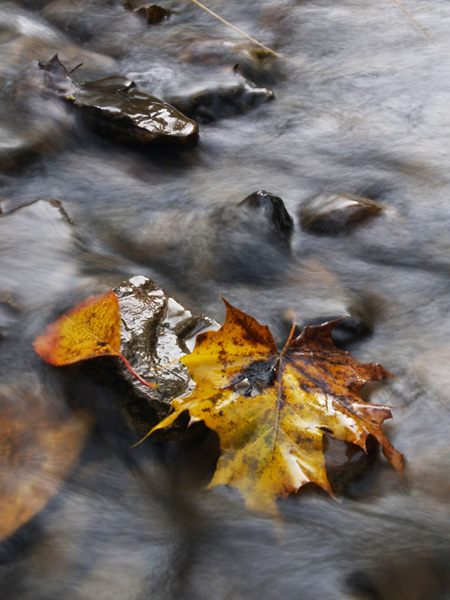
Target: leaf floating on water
(271, 409)
(89, 330)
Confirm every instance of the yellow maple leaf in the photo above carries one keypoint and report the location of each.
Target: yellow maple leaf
(271, 435)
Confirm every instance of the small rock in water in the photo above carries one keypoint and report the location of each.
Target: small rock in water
(226, 99)
(273, 209)
(335, 213)
(246, 242)
(156, 331)
(153, 13)
(115, 108)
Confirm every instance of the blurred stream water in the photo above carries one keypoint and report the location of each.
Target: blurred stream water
(361, 107)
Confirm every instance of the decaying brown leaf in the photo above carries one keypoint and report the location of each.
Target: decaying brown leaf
(39, 446)
(271, 409)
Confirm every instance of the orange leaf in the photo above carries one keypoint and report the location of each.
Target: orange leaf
(90, 329)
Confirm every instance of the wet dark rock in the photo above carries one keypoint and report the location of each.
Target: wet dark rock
(335, 213)
(346, 462)
(352, 328)
(248, 241)
(252, 240)
(273, 209)
(115, 108)
(231, 96)
(153, 13)
(156, 331)
(119, 110)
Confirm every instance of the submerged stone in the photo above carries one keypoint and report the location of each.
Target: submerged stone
(41, 244)
(225, 99)
(335, 213)
(156, 331)
(19, 145)
(115, 108)
(247, 241)
(153, 13)
(254, 63)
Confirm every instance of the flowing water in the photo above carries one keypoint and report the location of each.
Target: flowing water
(361, 107)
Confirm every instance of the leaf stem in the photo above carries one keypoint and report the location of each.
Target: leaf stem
(133, 372)
(289, 340)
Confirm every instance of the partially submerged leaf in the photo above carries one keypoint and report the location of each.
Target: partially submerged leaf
(271, 410)
(39, 446)
(90, 329)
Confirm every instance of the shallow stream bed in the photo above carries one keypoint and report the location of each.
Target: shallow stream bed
(318, 184)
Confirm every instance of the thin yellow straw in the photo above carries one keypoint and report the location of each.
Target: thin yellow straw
(228, 24)
(422, 29)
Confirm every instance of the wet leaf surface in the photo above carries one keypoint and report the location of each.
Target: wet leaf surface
(271, 409)
(90, 329)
